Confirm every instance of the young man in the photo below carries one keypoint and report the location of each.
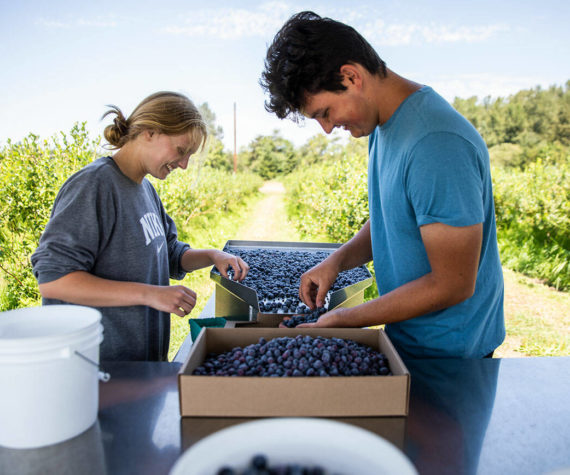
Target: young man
(431, 232)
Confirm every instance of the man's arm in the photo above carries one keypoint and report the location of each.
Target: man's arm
(316, 282)
(453, 254)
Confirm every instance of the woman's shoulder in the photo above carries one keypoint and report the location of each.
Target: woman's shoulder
(98, 166)
(100, 172)
(92, 179)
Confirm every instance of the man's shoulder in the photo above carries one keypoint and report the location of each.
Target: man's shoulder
(436, 117)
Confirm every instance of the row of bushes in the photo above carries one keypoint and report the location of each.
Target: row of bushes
(533, 219)
(33, 170)
(330, 201)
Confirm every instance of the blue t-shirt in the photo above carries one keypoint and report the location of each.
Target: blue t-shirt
(428, 164)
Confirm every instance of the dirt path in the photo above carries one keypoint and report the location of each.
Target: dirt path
(268, 219)
(537, 316)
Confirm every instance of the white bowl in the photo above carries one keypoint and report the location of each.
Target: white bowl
(337, 447)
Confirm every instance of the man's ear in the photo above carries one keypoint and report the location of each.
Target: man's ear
(351, 75)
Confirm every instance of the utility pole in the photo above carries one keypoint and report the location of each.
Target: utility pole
(235, 141)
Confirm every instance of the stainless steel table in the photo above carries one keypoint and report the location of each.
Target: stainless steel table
(491, 416)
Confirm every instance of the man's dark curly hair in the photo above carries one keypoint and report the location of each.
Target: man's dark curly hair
(306, 56)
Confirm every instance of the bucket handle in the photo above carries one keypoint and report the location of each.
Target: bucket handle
(103, 376)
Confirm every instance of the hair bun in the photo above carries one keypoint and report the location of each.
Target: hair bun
(121, 125)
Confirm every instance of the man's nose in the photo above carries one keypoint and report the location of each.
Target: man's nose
(326, 125)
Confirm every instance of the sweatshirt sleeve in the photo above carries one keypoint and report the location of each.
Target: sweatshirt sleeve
(175, 247)
(73, 236)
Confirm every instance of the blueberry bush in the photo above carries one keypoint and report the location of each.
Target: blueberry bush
(533, 219)
(330, 200)
(31, 173)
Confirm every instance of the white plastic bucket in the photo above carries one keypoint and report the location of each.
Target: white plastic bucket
(48, 393)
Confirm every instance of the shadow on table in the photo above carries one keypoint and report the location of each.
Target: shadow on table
(193, 429)
(450, 407)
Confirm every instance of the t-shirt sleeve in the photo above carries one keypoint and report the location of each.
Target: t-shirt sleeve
(73, 236)
(444, 182)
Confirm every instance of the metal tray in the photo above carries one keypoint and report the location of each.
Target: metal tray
(236, 301)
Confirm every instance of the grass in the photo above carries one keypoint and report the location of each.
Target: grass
(537, 318)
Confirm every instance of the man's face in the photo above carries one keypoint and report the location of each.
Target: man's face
(346, 109)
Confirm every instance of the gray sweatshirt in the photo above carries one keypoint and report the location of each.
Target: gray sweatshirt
(106, 224)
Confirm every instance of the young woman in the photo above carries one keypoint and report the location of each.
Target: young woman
(109, 242)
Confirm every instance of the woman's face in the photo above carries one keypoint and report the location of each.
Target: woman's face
(164, 153)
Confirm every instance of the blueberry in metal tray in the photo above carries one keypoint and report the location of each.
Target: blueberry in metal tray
(272, 285)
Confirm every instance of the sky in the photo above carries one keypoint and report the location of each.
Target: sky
(64, 61)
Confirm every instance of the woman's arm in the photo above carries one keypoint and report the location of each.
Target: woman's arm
(194, 259)
(83, 288)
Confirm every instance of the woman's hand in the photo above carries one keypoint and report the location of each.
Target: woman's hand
(175, 299)
(224, 262)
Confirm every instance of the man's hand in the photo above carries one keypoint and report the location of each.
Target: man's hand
(331, 319)
(316, 282)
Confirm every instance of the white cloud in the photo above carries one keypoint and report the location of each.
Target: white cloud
(398, 34)
(234, 22)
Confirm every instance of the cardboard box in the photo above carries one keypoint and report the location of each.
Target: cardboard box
(247, 396)
(194, 429)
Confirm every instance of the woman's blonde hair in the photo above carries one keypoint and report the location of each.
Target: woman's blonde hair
(168, 113)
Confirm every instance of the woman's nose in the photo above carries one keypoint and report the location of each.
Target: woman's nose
(183, 163)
